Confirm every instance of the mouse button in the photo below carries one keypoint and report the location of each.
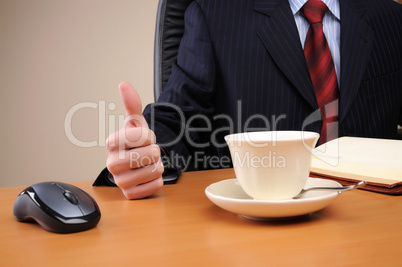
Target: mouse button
(47, 192)
(64, 208)
(86, 203)
(70, 197)
(43, 189)
(52, 196)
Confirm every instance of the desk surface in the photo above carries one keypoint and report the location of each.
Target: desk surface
(181, 227)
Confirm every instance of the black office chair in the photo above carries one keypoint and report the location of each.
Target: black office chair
(168, 34)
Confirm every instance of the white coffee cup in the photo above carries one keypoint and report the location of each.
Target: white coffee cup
(272, 165)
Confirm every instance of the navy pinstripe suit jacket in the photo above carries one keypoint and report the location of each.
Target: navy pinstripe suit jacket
(241, 67)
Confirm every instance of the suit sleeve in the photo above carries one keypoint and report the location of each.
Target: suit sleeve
(400, 118)
(189, 93)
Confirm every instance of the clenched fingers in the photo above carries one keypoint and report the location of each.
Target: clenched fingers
(141, 182)
(121, 161)
(127, 138)
(143, 190)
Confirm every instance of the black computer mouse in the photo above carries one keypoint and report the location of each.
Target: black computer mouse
(57, 207)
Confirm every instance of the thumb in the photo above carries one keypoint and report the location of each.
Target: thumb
(132, 104)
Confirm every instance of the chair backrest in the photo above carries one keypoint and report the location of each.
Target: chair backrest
(168, 33)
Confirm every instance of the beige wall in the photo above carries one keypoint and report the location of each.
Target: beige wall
(61, 56)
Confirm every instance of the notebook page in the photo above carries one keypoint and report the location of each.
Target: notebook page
(373, 160)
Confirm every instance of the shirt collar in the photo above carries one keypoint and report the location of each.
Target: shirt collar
(333, 6)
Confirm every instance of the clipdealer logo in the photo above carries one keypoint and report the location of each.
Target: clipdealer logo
(110, 123)
(102, 110)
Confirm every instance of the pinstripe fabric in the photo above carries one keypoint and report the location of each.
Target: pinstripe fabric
(241, 65)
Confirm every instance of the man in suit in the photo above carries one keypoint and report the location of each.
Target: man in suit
(241, 67)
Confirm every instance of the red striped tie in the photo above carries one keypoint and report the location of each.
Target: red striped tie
(322, 71)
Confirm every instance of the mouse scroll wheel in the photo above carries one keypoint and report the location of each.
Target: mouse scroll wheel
(70, 197)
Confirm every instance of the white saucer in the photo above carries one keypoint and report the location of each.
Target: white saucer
(228, 195)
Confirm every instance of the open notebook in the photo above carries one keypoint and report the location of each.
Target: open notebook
(352, 159)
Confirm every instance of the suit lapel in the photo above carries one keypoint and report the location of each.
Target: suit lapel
(356, 39)
(280, 37)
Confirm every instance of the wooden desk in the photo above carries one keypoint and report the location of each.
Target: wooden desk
(181, 227)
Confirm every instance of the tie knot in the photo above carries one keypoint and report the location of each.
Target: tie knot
(314, 11)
